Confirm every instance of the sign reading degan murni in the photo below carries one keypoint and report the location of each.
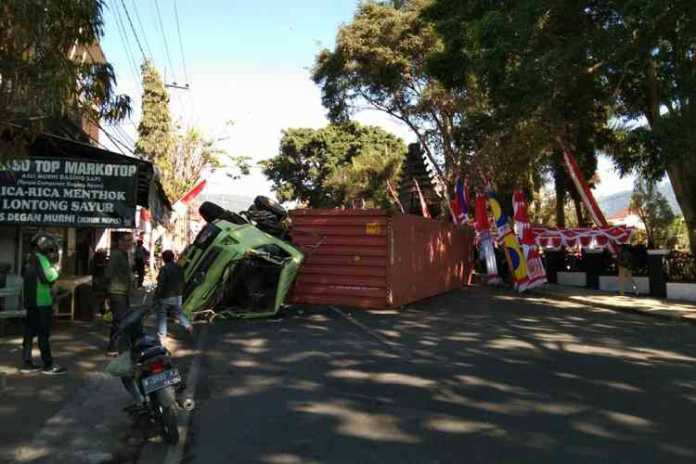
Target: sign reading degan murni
(65, 192)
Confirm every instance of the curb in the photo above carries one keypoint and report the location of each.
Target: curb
(623, 309)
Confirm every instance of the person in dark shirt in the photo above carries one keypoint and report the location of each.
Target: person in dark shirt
(168, 295)
(141, 256)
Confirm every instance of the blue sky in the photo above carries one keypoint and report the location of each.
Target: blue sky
(246, 61)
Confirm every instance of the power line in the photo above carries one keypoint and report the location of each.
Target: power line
(126, 43)
(135, 33)
(164, 37)
(181, 44)
(142, 29)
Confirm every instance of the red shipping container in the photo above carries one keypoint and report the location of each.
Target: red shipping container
(371, 259)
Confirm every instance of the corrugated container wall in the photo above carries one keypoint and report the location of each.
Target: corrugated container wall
(371, 259)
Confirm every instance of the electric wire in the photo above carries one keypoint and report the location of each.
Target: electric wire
(135, 33)
(164, 37)
(142, 29)
(181, 44)
(126, 43)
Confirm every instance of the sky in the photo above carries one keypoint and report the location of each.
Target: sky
(244, 61)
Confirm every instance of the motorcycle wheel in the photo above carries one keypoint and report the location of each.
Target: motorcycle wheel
(168, 424)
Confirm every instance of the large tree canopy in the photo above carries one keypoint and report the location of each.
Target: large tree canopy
(569, 67)
(330, 167)
(379, 62)
(50, 68)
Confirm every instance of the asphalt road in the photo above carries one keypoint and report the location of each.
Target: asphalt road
(473, 376)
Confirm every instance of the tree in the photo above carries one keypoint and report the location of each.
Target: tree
(654, 212)
(529, 58)
(196, 154)
(379, 62)
(156, 140)
(652, 69)
(328, 167)
(49, 71)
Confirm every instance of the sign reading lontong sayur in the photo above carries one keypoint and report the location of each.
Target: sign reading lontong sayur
(63, 192)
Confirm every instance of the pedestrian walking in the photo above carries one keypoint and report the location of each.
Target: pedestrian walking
(40, 273)
(168, 295)
(141, 256)
(625, 264)
(119, 276)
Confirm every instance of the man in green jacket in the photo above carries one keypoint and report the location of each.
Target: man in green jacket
(120, 277)
(40, 273)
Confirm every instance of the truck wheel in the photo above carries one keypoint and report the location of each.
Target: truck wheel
(265, 203)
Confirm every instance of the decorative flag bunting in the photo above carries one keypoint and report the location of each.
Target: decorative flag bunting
(513, 250)
(424, 205)
(546, 237)
(535, 266)
(483, 236)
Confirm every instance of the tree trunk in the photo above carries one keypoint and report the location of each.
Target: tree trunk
(577, 202)
(560, 184)
(682, 175)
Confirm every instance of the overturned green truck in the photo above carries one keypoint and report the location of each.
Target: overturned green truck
(240, 265)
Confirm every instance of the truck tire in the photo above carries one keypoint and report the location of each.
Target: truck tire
(212, 212)
(266, 204)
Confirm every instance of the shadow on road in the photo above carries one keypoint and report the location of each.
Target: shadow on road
(473, 376)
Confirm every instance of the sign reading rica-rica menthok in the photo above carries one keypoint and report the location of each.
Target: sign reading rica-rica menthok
(66, 192)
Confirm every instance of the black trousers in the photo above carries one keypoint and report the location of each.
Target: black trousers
(140, 269)
(120, 305)
(38, 324)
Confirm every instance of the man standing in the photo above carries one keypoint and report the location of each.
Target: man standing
(118, 274)
(625, 264)
(141, 256)
(41, 272)
(170, 288)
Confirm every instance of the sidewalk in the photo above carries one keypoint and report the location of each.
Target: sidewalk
(644, 305)
(76, 417)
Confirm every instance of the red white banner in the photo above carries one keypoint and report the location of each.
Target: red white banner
(585, 237)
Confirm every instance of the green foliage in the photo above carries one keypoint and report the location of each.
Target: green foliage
(196, 154)
(379, 62)
(49, 71)
(568, 67)
(156, 140)
(654, 212)
(329, 167)
(543, 95)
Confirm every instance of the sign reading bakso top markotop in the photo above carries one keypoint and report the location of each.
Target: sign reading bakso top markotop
(68, 192)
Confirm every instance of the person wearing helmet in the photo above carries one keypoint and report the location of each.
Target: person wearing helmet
(41, 271)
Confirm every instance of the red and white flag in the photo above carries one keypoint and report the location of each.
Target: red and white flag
(424, 205)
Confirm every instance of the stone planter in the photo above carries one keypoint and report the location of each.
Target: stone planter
(572, 279)
(611, 284)
(681, 291)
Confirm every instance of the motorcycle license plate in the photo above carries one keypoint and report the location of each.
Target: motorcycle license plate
(161, 380)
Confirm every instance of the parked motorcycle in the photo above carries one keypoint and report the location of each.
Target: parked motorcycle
(149, 375)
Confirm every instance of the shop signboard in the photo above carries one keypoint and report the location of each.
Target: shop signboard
(68, 192)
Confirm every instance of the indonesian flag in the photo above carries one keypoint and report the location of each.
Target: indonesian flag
(424, 205)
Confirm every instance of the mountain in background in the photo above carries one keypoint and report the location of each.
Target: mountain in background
(619, 201)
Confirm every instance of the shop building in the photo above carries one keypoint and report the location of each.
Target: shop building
(79, 193)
